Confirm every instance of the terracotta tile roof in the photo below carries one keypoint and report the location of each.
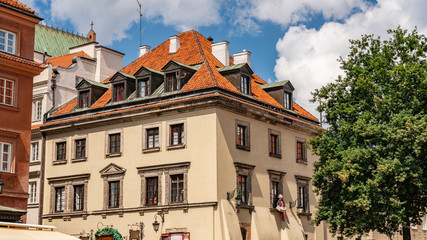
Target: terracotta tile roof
(194, 49)
(18, 5)
(258, 79)
(20, 59)
(66, 60)
(66, 108)
(302, 111)
(35, 126)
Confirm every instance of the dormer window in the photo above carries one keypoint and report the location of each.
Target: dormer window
(287, 100)
(245, 85)
(171, 82)
(7, 41)
(143, 87)
(119, 92)
(84, 99)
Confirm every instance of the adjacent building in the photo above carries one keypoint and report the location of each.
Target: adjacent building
(68, 59)
(17, 69)
(186, 139)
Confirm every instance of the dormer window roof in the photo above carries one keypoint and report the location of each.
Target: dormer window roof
(177, 75)
(240, 76)
(282, 92)
(147, 81)
(123, 86)
(89, 91)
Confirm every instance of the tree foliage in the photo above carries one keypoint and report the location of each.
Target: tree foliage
(371, 174)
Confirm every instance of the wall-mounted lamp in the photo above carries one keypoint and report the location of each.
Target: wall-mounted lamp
(1, 185)
(230, 195)
(292, 204)
(157, 224)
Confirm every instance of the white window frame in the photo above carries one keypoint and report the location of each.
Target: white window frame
(37, 110)
(6, 39)
(9, 157)
(3, 94)
(32, 191)
(35, 154)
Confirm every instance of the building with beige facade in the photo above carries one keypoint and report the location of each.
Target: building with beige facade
(187, 139)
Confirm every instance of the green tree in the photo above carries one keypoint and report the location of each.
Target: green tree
(371, 174)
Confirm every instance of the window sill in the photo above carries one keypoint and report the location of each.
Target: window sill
(34, 163)
(9, 107)
(150, 150)
(275, 155)
(308, 214)
(112, 155)
(82, 159)
(33, 205)
(172, 147)
(245, 206)
(246, 148)
(59, 162)
(302, 161)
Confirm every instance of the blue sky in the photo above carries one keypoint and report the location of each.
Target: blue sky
(291, 40)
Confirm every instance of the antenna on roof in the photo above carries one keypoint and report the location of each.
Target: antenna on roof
(140, 22)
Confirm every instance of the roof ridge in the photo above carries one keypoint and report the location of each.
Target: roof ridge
(205, 61)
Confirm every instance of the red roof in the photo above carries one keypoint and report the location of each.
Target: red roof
(17, 5)
(66, 60)
(20, 59)
(194, 49)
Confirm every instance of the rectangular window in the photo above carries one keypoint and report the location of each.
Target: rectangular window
(114, 143)
(245, 84)
(84, 99)
(177, 188)
(303, 198)
(275, 192)
(7, 41)
(61, 151)
(177, 134)
(242, 188)
(242, 136)
(37, 110)
(32, 191)
(176, 236)
(151, 191)
(113, 194)
(143, 88)
(301, 151)
(287, 100)
(152, 137)
(34, 152)
(80, 148)
(59, 199)
(78, 197)
(119, 92)
(274, 144)
(6, 91)
(5, 156)
(171, 82)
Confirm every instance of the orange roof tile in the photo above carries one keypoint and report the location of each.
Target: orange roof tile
(20, 59)
(67, 107)
(66, 60)
(104, 99)
(35, 126)
(18, 5)
(258, 79)
(261, 95)
(302, 111)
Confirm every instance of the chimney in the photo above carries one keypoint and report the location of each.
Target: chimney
(143, 50)
(174, 44)
(221, 52)
(242, 57)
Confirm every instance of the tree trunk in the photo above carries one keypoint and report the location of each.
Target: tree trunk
(406, 233)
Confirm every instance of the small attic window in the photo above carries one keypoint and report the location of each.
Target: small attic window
(171, 82)
(84, 99)
(143, 87)
(118, 92)
(287, 100)
(245, 84)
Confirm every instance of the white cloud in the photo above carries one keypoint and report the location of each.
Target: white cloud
(113, 17)
(308, 57)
